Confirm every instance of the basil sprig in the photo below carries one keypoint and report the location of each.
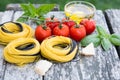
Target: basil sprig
(33, 13)
(115, 39)
(102, 38)
(91, 38)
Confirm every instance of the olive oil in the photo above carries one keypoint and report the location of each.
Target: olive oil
(77, 11)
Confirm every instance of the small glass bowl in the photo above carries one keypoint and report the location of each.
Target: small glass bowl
(78, 10)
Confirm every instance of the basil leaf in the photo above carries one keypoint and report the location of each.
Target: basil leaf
(22, 19)
(33, 13)
(43, 9)
(115, 39)
(25, 8)
(32, 10)
(102, 32)
(91, 39)
(106, 44)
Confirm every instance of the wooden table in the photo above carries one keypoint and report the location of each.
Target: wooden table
(102, 66)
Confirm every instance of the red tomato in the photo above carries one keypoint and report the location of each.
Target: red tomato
(77, 32)
(68, 22)
(42, 32)
(52, 22)
(61, 30)
(89, 25)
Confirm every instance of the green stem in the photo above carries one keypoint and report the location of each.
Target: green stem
(67, 18)
(60, 26)
(52, 17)
(26, 17)
(44, 27)
(77, 26)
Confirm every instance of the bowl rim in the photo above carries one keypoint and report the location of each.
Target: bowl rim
(93, 6)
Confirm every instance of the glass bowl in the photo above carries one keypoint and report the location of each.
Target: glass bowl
(78, 10)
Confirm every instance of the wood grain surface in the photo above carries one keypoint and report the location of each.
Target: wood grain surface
(102, 66)
(25, 72)
(4, 17)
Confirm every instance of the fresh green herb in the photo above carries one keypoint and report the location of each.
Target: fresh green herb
(102, 38)
(91, 38)
(102, 32)
(115, 39)
(33, 13)
(106, 44)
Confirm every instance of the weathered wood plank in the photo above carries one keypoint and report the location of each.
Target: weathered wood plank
(113, 19)
(111, 57)
(21, 73)
(102, 66)
(4, 17)
(7, 16)
(1, 14)
(58, 15)
(1, 60)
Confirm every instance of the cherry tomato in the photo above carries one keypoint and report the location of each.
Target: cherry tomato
(77, 32)
(52, 22)
(61, 30)
(89, 25)
(68, 22)
(42, 32)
